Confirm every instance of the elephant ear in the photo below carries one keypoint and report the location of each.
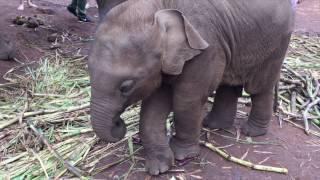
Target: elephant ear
(179, 40)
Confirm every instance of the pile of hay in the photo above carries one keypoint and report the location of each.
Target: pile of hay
(44, 121)
(45, 130)
(299, 88)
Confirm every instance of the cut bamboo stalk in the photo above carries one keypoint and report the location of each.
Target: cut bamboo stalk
(243, 162)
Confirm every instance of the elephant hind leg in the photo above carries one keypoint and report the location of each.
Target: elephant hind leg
(260, 114)
(224, 108)
(261, 86)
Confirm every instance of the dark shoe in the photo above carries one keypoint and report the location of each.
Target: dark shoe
(85, 19)
(72, 10)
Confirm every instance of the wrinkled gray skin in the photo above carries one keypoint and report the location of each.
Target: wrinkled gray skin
(7, 48)
(172, 54)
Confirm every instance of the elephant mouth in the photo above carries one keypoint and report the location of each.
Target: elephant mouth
(119, 127)
(117, 121)
(108, 127)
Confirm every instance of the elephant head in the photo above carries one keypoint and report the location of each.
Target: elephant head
(130, 54)
(105, 5)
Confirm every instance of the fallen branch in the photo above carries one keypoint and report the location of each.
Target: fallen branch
(71, 168)
(242, 162)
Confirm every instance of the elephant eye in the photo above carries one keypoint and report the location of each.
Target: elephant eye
(126, 87)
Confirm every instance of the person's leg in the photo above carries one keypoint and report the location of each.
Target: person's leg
(82, 8)
(88, 5)
(21, 6)
(82, 11)
(30, 4)
(72, 8)
(73, 4)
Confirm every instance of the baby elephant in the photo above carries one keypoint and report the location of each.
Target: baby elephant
(7, 48)
(172, 55)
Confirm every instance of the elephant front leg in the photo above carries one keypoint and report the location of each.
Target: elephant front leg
(154, 113)
(187, 123)
(224, 108)
(260, 115)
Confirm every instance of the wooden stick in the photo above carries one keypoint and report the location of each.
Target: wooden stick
(71, 168)
(293, 103)
(291, 81)
(41, 163)
(315, 133)
(8, 85)
(298, 116)
(242, 162)
(295, 73)
(289, 87)
(29, 114)
(26, 107)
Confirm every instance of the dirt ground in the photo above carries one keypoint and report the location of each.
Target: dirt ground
(32, 43)
(297, 151)
(308, 16)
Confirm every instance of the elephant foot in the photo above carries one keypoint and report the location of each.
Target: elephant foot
(217, 123)
(252, 130)
(158, 159)
(183, 151)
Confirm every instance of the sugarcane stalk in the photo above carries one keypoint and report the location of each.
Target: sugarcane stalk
(29, 114)
(306, 113)
(71, 168)
(243, 162)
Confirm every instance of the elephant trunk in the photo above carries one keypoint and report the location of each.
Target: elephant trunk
(106, 121)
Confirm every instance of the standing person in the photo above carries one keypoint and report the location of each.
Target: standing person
(78, 8)
(30, 4)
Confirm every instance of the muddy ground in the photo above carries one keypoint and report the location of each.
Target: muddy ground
(297, 151)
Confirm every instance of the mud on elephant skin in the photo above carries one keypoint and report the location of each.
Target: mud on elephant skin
(7, 48)
(172, 55)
